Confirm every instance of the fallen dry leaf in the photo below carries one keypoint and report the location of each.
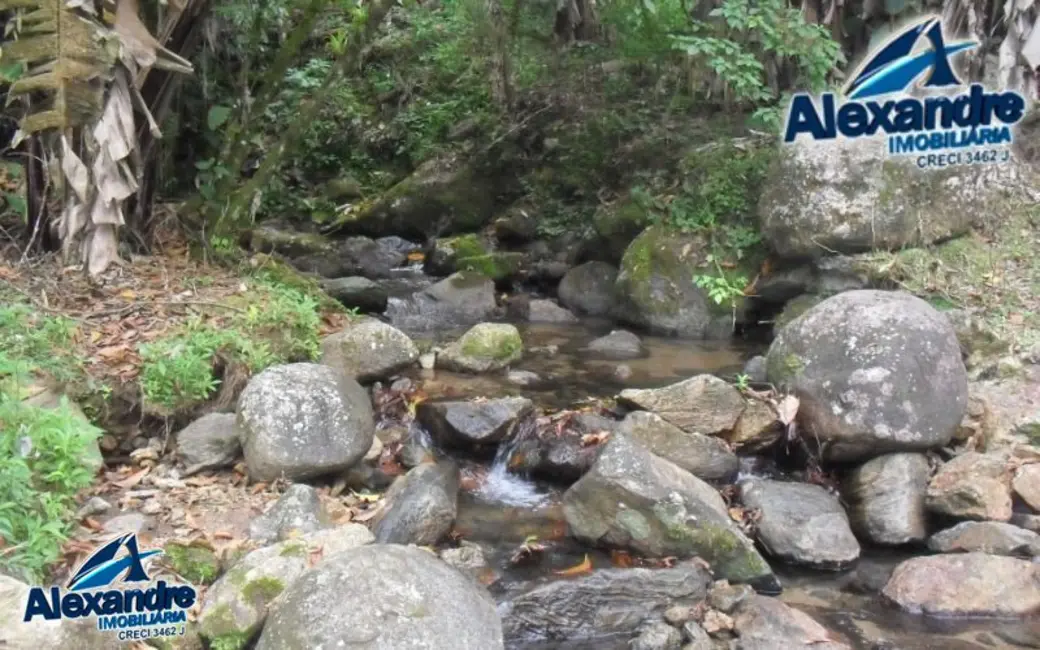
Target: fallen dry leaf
(133, 479)
(585, 566)
(787, 409)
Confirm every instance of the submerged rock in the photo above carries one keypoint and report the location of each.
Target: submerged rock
(655, 286)
(398, 597)
(702, 404)
(703, 456)
(589, 289)
(801, 523)
(763, 623)
(297, 511)
(972, 486)
(547, 311)
(636, 500)
(474, 425)
(619, 344)
(607, 604)
(211, 442)
(876, 372)
(886, 498)
(485, 347)
(236, 605)
(993, 537)
(369, 349)
(420, 507)
(303, 420)
(460, 300)
(966, 584)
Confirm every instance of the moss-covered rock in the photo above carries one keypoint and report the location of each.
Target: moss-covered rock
(850, 196)
(618, 224)
(266, 239)
(343, 188)
(196, 564)
(442, 194)
(632, 499)
(485, 347)
(236, 606)
(655, 287)
(795, 308)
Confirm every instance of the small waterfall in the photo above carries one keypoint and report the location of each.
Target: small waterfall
(502, 486)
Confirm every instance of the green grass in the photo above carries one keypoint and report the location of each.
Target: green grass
(275, 323)
(996, 273)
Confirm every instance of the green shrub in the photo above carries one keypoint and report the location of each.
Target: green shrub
(42, 454)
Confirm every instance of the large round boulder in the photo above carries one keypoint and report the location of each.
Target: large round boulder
(655, 287)
(875, 371)
(383, 597)
(303, 420)
(850, 196)
(369, 349)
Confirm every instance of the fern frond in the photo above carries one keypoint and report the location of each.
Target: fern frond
(69, 56)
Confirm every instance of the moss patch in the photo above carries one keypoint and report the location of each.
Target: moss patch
(262, 591)
(232, 641)
(196, 564)
(486, 343)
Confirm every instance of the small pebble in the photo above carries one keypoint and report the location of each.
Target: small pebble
(93, 506)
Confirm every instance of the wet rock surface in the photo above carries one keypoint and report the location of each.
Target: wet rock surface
(619, 344)
(460, 300)
(589, 289)
(763, 623)
(474, 425)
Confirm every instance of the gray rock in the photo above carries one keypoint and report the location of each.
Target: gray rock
(398, 245)
(655, 288)
(93, 506)
(725, 597)
(1026, 485)
(763, 623)
(474, 425)
(399, 598)
(702, 404)
(758, 428)
(61, 634)
(303, 420)
(468, 557)
(1027, 521)
(460, 300)
(589, 288)
(938, 585)
(298, 510)
(755, 369)
(875, 371)
(703, 456)
(127, 522)
(484, 348)
(657, 636)
(696, 637)
(563, 458)
(354, 256)
(420, 507)
(236, 605)
(886, 498)
(368, 349)
(606, 604)
(992, 537)
(972, 486)
(357, 292)
(801, 524)
(547, 311)
(209, 442)
(633, 499)
(850, 196)
(619, 344)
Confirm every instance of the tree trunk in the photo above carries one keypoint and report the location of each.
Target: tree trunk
(576, 20)
(501, 72)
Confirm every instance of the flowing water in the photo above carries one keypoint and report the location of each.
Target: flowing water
(502, 510)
